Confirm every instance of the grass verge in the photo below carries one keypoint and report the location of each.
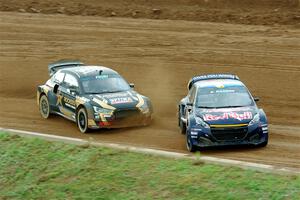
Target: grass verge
(37, 169)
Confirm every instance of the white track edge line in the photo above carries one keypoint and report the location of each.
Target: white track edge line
(205, 159)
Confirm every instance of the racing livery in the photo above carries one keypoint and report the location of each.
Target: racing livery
(92, 96)
(218, 111)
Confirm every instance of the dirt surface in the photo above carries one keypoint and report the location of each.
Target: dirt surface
(263, 12)
(159, 56)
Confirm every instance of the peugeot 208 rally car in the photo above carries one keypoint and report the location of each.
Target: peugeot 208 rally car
(92, 96)
(219, 110)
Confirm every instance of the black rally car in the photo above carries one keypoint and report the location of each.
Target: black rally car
(92, 96)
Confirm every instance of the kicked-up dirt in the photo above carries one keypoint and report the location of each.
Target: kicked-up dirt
(159, 56)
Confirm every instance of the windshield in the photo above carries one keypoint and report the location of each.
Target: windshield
(104, 83)
(232, 96)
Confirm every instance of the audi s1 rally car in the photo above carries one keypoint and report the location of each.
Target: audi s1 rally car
(218, 111)
(92, 96)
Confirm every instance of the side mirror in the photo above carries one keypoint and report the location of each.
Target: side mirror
(131, 85)
(189, 106)
(256, 99)
(55, 88)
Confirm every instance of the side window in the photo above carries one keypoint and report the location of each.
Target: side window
(192, 95)
(58, 77)
(71, 81)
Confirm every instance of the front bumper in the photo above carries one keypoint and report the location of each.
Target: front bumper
(245, 135)
(120, 119)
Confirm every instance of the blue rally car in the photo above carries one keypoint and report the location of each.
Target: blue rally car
(218, 111)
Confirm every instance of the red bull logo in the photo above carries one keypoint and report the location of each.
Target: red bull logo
(228, 115)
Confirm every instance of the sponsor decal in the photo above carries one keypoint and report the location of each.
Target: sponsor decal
(69, 101)
(113, 95)
(196, 129)
(102, 76)
(108, 115)
(121, 100)
(211, 76)
(228, 115)
(226, 110)
(223, 91)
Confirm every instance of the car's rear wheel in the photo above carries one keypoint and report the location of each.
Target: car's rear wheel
(44, 107)
(189, 145)
(82, 120)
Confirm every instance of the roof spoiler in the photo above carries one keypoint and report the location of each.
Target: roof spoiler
(211, 76)
(54, 67)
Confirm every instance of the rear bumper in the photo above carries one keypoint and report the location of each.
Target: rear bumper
(255, 135)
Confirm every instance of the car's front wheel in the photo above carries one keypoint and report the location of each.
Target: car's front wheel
(44, 107)
(82, 120)
(189, 145)
(182, 125)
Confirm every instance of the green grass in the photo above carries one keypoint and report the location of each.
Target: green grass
(37, 169)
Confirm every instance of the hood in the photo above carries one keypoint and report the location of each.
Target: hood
(118, 100)
(239, 115)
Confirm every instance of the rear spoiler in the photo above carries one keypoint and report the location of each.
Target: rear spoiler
(53, 67)
(211, 76)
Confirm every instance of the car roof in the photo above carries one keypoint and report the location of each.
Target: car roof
(218, 83)
(84, 71)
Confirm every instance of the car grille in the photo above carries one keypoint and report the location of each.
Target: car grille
(229, 133)
(119, 114)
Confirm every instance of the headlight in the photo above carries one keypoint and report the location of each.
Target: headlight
(200, 122)
(101, 110)
(255, 119)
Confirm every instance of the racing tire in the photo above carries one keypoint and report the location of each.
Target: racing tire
(82, 120)
(181, 124)
(190, 147)
(44, 107)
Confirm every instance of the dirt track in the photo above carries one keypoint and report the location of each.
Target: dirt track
(159, 56)
(262, 12)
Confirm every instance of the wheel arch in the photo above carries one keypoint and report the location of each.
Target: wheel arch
(41, 94)
(78, 108)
